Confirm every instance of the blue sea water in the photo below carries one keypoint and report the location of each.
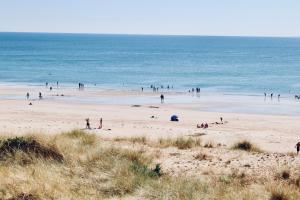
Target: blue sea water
(217, 64)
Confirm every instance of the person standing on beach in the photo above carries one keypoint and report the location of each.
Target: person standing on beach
(100, 124)
(88, 126)
(162, 98)
(27, 95)
(272, 96)
(278, 97)
(298, 147)
(40, 95)
(57, 84)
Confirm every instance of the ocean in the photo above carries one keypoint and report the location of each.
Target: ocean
(245, 65)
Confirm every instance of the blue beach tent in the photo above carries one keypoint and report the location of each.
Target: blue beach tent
(174, 118)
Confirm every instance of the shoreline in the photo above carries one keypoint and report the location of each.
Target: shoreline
(239, 103)
(273, 133)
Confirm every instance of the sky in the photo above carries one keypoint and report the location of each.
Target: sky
(163, 17)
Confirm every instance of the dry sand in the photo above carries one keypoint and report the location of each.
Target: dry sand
(61, 113)
(276, 135)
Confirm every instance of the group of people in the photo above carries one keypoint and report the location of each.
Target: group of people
(155, 88)
(80, 86)
(197, 90)
(51, 86)
(272, 95)
(28, 95)
(88, 125)
(203, 125)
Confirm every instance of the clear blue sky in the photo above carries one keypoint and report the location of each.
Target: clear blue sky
(184, 17)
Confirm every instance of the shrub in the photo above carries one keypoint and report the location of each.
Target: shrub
(28, 146)
(246, 146)
(143, 170)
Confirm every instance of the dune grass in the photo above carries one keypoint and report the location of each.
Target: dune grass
(93, 168)
(179, 142)
(27, 148)
(246, 146)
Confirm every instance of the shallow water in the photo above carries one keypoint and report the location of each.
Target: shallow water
(216, 64)
(233, 72)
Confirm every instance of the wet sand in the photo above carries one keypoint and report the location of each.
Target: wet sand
(273, 133)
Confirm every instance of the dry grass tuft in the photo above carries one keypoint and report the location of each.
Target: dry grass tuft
(278, 195)
(246, 146)
(23, 196)
(209, 144)
(180, 143)
(139, 140)
(283, 191)
(284, 174)
(11, 146)
(202, 156)
(85, 138)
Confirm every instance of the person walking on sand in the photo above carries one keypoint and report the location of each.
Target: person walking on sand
(88, 126)
(100, 124)
(27, 95)
(162, 98)
(40, 95)
(298, 147)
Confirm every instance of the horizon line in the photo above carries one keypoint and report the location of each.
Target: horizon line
(153, 34)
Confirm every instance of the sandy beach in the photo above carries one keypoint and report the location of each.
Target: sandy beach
(272, 133)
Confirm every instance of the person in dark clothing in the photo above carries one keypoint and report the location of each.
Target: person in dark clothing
(298, 147)
(162, 98)
(88, 126)
(100, 124)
